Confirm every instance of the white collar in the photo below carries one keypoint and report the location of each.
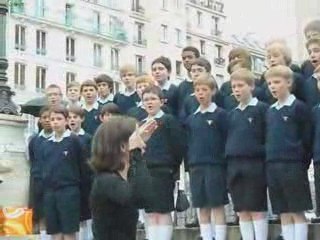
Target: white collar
(188, 79)
(166, 85)
(45, 135)
(157, 116)
(210, 109)
(192, 94)
(288, 102)
(140, 105)
(66, 134)
(80, 133)
(77, 104)
(107, 99)
(128, 94)
(94, 106)
(253, 102)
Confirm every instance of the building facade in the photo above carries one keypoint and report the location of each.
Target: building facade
(74, 40)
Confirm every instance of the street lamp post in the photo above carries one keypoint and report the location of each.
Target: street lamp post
(6, 104)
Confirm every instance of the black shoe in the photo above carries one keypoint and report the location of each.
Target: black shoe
(274, 221)
(315, 220)
(193, 224)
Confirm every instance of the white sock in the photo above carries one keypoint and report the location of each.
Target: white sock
(213, 224)
(141, 215)
(206, 231)
(221, 232)
(261, 229)
(89, 229)
(153, 232)
(301, 231)
(43, 235)
(247, 230)
(165, 232)
(288, 231)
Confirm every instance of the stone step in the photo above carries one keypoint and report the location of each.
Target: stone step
(234, 233)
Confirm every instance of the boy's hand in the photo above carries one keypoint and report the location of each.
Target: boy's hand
(135, 141)
(147, 129)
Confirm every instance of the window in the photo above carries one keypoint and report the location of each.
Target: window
(139, 31)
(19, 75)
(40, 78)
(164, 33)
(68, 14)
(178, 36)
(41, 42)
(136, 6)
(114, 59)
(178, 68)
(189, 40)
(203, 47)
(70, 49)
(199, 19)
(70, 77)
(218, 52)
(164, 4)
(215, 27)
(96, 22)
(178, 4)
(97, 52)
(40, 8)
(258, 64)
(20, 37)
(140, 63)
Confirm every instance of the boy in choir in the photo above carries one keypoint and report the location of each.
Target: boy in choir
(73, 94)
(207, 133)
(91, 107)
(109, 110)
(105, 89)
(246, 177)
(161, 70)
(63, 164)
(288, 154)
(129, 97)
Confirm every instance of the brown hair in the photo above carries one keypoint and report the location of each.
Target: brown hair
(107, 155)
(312, 26)
(164, 61)
(203, 63)
(155, 90)
(127, 68)
(210, 82)
(106, 79)
(77, 111)
(242, 63)
(145, 79)
(243, 74)
(279, 71)
(54, 86)
(60, 110)
(73, 84)
(192, 49)
(111, 108)
(240, 53)
(88, 83)
(280, 45)
(315, 40)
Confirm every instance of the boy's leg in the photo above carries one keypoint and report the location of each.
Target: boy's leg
(246, 226)
(287, 226)
(58, 236)
(160, 226)
(260, 224)
(69, 236)
(205, 223)
(220, 220)
(300, 226)
(317, 187)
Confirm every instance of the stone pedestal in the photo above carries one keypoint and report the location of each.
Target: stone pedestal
(14, 167)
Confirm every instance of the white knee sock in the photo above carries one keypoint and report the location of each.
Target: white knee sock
(165, 232)
(247, 230)
(206, 231)
(153, 232)
(141, 215)
(44, 235)
(213, 224)
(301, 231)
(261, 229)
(89, 229)
(221, 232)
(288, 231)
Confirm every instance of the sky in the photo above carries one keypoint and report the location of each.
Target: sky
(266, 18)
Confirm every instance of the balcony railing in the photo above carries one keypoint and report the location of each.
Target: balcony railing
(138, 9)
(216, 32)
(213, 5)
(41, 51)
(140, 41)
(219, 61)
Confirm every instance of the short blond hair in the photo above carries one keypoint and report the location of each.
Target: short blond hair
(145, 79)
(280, 45)
(279, 71)
(314, 40)
(243, 74)
(127, 68)
(208, 81)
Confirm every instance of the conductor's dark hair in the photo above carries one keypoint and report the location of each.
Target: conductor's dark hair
(192, 49)
(107, 154)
